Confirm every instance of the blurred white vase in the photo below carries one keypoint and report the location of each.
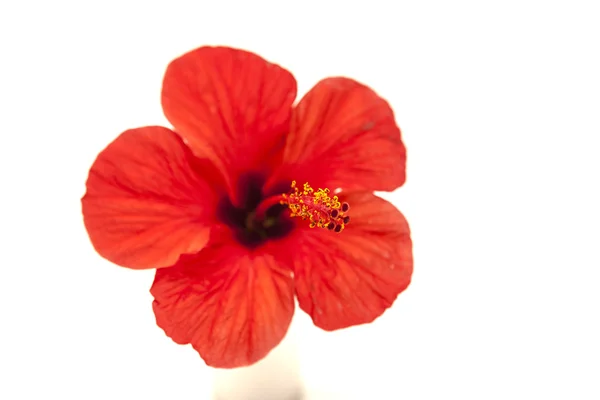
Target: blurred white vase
(276, 377)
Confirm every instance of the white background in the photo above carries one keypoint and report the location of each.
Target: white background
(499, 105)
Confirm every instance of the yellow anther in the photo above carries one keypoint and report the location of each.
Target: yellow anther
(318, 207)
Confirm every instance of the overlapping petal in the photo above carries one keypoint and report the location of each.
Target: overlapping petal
(231, 305)
(351, 278)
(343, 135)
(148, 199)
(231, 106)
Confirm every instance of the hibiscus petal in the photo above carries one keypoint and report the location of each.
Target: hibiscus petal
(344, 135)
(233, 307)
(146, 203)
(230, 105)
(352, 277)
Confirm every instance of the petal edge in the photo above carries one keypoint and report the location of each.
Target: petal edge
(233, 308)
(230, 105)
(344, 135)
(144, 204)
(351, 278)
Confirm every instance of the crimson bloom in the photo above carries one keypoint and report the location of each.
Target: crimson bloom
(214, 206)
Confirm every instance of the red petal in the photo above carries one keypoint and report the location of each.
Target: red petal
(352, 277)
(233, 307)
(344, 135)
(144, 205)
(230, 105)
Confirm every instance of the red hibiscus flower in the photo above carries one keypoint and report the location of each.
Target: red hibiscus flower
(213, 205)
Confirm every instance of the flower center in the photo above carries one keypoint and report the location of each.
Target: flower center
(261, 216)
(318, 207)
(253, 220)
